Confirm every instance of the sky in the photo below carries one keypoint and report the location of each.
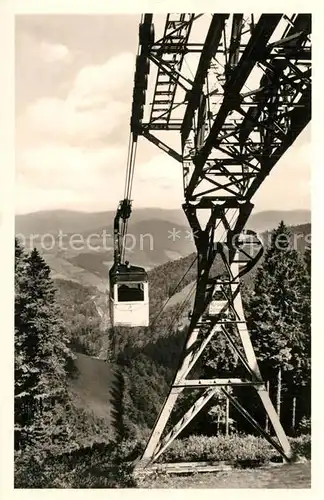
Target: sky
(74, 80)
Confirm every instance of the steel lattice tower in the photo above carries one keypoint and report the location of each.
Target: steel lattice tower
(244, 106)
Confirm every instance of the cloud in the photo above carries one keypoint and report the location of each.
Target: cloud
(71, 150)
(52, 177)
(31, 199)
(160, 168)
(93, 108)
(160, 178)
(67, 167)
(54, 52)
(63, 121)
(288, 185)
(69, 145)
(92, 179)
(113, 79)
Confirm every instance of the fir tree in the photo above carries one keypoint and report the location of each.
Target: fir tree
(300, 382)
(24, 374)
(42, 355)
(276, 309)
(302, 349)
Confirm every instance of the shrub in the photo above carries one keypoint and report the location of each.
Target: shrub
(304, 426)
(220, 448)
(302, 446)
(101, 465)
(109, 465)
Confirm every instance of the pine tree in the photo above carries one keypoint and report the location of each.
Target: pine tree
(24, 374)
(301, 376)
(308, 261)
(302, 349)
(275, 309)
(307, 320)
(52, 355)
(42, 355)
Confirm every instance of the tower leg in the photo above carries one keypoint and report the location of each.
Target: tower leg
(252, 361)
(207, 323)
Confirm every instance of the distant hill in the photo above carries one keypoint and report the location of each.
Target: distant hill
(149, 243)
(269, 219)
(150, 238)
(62, 269)
(69, 221)
(300, 238)
(86, 257)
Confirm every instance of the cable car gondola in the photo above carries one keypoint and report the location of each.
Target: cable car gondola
(128, 285)
(129, 301)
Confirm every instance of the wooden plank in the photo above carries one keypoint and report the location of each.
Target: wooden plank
(200, 467)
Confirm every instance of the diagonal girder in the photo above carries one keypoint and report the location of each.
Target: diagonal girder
(253, 52)
(208, 51)
(234, 115)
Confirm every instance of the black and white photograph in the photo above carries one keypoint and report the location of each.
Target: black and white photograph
(162, 265)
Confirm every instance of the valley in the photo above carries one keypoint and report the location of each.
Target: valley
(81, 280)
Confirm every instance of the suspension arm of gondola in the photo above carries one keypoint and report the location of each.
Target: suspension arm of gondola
(122, 215)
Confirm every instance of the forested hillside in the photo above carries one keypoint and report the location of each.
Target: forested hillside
(149, 356)
(171, 291)
(47, 418)
(97, 401)
(78, 246)
(80, 316)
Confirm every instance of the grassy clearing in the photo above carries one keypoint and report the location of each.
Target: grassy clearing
(105, 465)
(284, 476)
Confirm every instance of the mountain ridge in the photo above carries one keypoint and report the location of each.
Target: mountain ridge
(72, 221)
(154, 243)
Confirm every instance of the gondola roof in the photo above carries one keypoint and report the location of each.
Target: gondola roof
(123, 272)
